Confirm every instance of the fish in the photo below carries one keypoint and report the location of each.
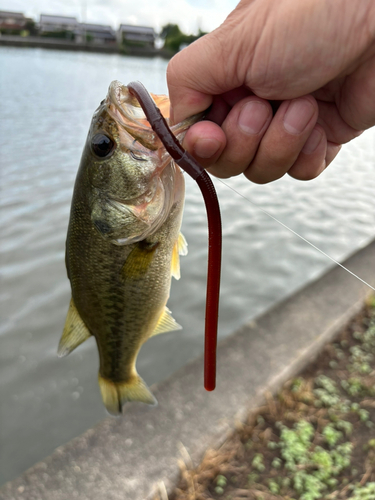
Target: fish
(123, 243)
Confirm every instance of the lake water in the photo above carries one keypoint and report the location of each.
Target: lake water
(47, 100)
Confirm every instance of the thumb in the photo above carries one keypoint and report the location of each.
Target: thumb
(196, 74)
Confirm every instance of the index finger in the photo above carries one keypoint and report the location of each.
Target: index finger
(195, 75)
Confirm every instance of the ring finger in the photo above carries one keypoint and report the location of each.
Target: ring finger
(284, 139)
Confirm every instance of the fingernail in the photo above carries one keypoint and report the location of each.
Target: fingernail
(298, 115)
(206, 148)
(312, 142)
(253, 117)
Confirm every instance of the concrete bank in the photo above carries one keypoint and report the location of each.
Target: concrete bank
(59, 44)
(124, 458)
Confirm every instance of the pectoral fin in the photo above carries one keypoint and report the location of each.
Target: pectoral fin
(166, 323)
(139, 260)
(180, 248)
(75, 332)
(182, 245)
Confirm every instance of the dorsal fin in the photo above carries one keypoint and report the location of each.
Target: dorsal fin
(75, 331)
(166, 323)
(180, 248)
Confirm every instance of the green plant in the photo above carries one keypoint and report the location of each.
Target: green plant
(327, 393)
(257, 462)
(221, 482)
(296, 384)
(366, 492)
(273, 486)
(331, 435)
(345, 426)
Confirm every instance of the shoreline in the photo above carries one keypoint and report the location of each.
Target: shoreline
(57, 44)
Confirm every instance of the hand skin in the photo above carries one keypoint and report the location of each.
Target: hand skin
(289, 81)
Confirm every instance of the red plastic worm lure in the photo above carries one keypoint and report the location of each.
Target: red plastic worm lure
(197, 172)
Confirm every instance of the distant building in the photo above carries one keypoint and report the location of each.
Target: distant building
(136, 35)
(54, 24)
(12, 22)
(95, 33)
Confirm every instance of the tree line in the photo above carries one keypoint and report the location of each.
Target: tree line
(174, 39)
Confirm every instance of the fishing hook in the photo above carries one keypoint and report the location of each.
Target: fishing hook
(197, 172)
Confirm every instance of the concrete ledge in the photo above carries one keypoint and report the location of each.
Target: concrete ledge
(124, 458)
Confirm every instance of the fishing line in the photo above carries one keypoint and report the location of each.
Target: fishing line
(296, 234)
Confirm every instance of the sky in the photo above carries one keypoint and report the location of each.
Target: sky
(190, 15)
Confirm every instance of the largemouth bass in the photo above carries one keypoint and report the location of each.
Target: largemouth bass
(123, 243)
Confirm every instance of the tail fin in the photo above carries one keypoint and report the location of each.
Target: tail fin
(115, 394)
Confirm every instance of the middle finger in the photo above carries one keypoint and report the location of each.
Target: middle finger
(244, 128)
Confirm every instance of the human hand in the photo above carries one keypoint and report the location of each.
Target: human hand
(288, 82)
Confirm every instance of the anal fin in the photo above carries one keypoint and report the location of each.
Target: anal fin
(166, 323)
(75, 332)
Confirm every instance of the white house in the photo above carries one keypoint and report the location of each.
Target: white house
(136, 34)
(13, 21)
(49, 23)
(95, 33)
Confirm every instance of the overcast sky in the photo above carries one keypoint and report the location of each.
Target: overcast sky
(188, 14)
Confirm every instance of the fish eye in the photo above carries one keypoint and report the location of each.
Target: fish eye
(102, 145)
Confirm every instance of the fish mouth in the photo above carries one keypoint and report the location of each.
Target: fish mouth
(127, 111)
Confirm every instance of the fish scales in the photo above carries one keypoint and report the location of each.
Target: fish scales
(123, 244)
